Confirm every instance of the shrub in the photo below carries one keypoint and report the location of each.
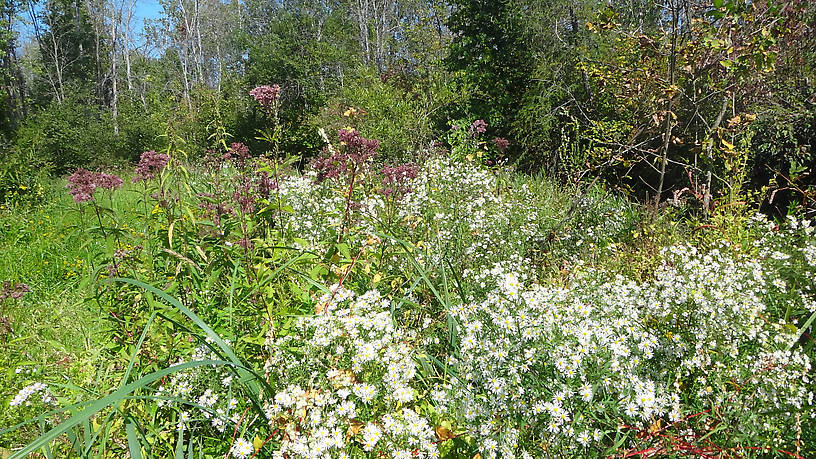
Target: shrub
(22, 175)
(690, 361)
(346, 380)
(398, 116)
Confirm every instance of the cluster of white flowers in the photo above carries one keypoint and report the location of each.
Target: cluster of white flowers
(558, 367)
(314, 209)
(209, 389)
(345, 383)
(564, 370)
(242, 449)
(790, 247)
(458, 202)
(25, 394)
(25, 370)
(459, 211)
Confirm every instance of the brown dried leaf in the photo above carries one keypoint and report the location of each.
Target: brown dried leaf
(443, 433)
(354, 428)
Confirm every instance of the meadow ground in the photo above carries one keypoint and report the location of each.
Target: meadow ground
(446, 309)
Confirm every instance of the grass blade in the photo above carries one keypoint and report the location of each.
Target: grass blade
(114, 398)
(133, 441)
(180, 444)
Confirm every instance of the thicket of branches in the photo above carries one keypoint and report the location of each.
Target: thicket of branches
(670, 99)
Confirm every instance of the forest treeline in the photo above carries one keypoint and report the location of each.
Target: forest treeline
(679, 99)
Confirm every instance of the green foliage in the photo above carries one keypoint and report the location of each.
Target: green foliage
(398, 112)
(287, 55)
(23, 176)
(64, 45)
(68, 135)
(491, 52)
(225, 269)
(231, 297)
(688, 79)
(140, 129)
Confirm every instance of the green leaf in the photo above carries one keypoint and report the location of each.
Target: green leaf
(344, 250)
(215, 337)
(802, 330)
(113, 399)
(133, 442)
(180, 444)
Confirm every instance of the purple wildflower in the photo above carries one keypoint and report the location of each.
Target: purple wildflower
(214, 208)
(108, 181)
(266, 95)
(266, 184)
(17, 291)
(358, 145)
(245, 197)
(245, 243)
(82, 185)
(478, 127)
(397, 179)
(351, 159)
(150, 164)
(501, 144)
(238, 152)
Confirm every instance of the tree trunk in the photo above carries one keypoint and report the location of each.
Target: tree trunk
(362, 25)
(709, 152)
(43, 50)
(114, 71)
(184, 55)
(126, 46)
(669, 105)
(200, 53)
(60, 90)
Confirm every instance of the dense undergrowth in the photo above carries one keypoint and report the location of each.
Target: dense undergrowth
(446, 308)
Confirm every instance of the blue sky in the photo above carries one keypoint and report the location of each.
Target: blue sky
(145, 9)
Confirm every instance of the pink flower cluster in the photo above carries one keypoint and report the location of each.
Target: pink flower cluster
(108, 181)
(83, 183)
(266, 184)
(501, 144)
(478, 127)
(355, 154)
(238, 152)
(245, 196)
(214, 208)
(150, 164)
(266, 95)
(396, 179)
(17, 291)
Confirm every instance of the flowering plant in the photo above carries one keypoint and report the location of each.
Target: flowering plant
(150, 164)
(266, 95)
(465, 142)
(689, 355)
(347, 383)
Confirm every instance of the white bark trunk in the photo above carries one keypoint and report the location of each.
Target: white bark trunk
(200, 54)
(114, 70)
(126, 47)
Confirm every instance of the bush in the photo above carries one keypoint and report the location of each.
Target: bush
(21, 176)
(68, 135)
(689, 361)
(399, 116)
